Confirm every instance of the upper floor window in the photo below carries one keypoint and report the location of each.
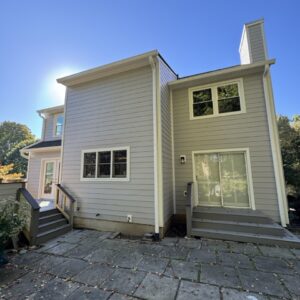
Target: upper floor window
(217, 99)
(105, 164)
(58, 124)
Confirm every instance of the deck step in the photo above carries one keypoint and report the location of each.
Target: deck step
(255, 228)
(235, 215)
(288, 240)
(49, 212)
(51, 225)
(49, 218)
(53, 233)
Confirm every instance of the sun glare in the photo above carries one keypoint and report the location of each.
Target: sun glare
(55, 91)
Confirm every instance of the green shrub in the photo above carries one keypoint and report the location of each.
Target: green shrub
(12, 220)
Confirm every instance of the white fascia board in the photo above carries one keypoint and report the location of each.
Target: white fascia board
(42, 149)
(49, 110)
(225, 71)
(108, 69)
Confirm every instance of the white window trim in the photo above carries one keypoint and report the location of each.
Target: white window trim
(248, 170)
(213, 87)
(54, 125)
(127, 178)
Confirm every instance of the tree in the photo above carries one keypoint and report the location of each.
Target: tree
(13, 137)
(289, 135)
(5, 173)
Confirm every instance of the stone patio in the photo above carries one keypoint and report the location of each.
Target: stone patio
(86, 264)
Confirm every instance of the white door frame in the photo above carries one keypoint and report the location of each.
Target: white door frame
(56, 161)
(248, 170)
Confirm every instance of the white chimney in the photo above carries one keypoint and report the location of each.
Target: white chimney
(253, 46)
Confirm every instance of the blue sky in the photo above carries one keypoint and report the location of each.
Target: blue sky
(43, 40)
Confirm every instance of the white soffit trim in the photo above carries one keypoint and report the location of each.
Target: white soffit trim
(108, 69)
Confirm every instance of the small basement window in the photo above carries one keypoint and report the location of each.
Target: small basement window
(105, 164)
(218, 99)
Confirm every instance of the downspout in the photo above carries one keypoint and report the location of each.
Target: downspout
(275, 146)
(154, 102)
(44, 125)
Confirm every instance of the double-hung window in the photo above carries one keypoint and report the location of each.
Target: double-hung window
(105, 164)
(217, 99)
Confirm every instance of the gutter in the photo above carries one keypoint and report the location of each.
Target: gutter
(275, 146)
(154, 101)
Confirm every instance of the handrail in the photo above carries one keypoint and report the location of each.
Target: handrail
(64, 202)
(31, 227)
(65, 192)
(189, 208)
(33, 203)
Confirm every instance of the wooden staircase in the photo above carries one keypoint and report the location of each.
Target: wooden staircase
(242, 225)
(51, 224)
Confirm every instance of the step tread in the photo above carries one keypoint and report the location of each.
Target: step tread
(48, 212)
(52, 222)
(251, 224)
(50, 216)
(42, 234)
(229, 211)
(288, 236)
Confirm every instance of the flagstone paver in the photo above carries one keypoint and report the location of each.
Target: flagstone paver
(87, 264)
(94, 274)
(153, 264)
(196, 291)
(231, 294)
(183, 269)
(262, 282)
(273, 264)
(235, 260)
(277, 252)
(124, 281)
(155, 287)
(89, 293)
(219, 275)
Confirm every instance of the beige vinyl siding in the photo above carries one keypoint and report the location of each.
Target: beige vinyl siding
(248, 130)
(112, 112)
(166, 75)
(34, 170)
(256, 43)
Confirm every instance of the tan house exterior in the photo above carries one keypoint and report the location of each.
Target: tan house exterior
(134, 134)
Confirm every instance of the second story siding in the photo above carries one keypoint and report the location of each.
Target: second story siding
(112, 112)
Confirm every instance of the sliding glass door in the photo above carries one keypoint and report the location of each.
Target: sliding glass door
(222, 179)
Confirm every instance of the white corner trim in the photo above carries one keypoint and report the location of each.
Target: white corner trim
(154, 104)
(275, 146)
(62, 138)
(173, 152)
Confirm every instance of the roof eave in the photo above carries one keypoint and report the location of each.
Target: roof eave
(41, 149)
(108, 69)
(58, 108)
(226, 71)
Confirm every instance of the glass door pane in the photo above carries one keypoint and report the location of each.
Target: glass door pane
(48, 180)
(208, 179)
(234, 180)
